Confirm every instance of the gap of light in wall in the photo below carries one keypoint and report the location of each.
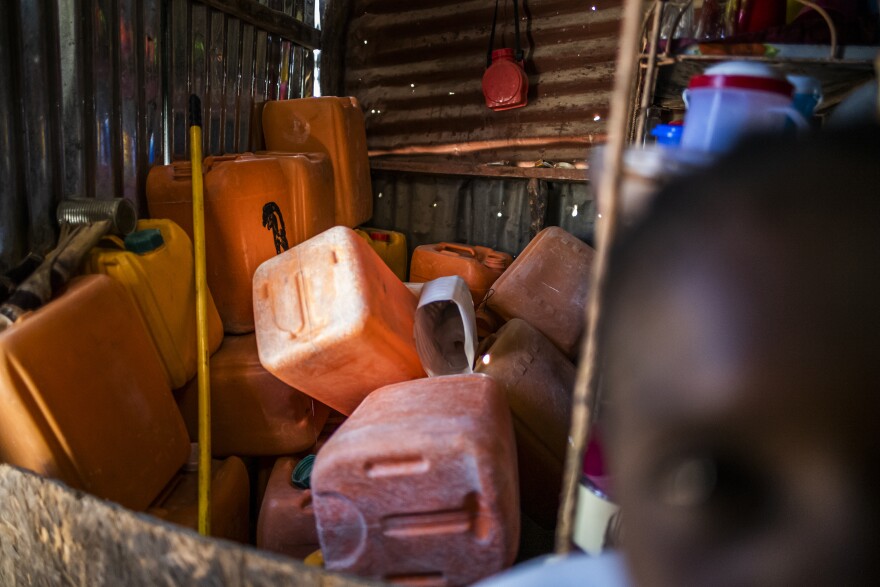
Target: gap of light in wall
(317, 53)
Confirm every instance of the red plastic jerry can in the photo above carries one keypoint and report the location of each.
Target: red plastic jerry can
(505, 84)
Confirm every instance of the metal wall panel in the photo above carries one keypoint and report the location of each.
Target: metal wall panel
(85, 83)
(487, 212)
(416, 67)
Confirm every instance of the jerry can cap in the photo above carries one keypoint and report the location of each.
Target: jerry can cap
(302, 473)
(144, 241)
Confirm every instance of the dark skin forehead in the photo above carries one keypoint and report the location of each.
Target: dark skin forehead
(716, 325)
(743, 332)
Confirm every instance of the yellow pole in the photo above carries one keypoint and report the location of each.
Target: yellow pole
(198, 198)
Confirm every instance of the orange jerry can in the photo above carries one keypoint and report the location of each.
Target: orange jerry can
(333, 126)
(252, 412)
(419, 485)
(155, 264)
(538, 381)
(84, 396)
(287, 519)
(230, 499)
(255, 208)
(547, 286)
(333, 321)
(479, 267)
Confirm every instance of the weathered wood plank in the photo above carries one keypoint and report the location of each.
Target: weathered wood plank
(476, 170)
(53, 535)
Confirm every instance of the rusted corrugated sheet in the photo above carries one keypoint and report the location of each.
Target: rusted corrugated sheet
(479, 211)
(82, 90)
(416, 67)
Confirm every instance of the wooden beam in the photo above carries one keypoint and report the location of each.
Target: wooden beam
(270, 20)
(568, 175)
(51, 534)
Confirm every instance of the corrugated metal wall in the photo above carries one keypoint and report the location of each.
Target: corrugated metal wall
(417, 66)
(488, 212)
(82, 84)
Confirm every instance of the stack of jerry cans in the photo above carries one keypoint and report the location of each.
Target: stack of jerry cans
(538, 381)
(155, 264)
(102, 418)
(252, 412)
(479, 267)
(255, 208)
(333, 321)
(547, 286)
(333, 126)
(420, 484)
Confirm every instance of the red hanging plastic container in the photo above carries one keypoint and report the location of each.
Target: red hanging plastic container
(419, 485)
(505, 83)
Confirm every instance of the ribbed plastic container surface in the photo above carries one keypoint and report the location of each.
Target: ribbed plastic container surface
(252, 412)
(161, 282)
(287, 519)
(390, 245)
(84, 397)
(334, 126)
(538, 381)
(230, 500)
(419, 485)
(333, 321)
(479, 267)
(547, 286)
(255, 208)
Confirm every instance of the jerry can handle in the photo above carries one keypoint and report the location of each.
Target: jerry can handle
(460, 248)
(181, 169)
(111, 240)
(212, 160)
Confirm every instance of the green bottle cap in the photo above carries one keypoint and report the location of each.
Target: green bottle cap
(302, 473)
(144, 241)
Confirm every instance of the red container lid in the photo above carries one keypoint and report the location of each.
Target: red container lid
(742, 82)
(380, 236)
(506, 53)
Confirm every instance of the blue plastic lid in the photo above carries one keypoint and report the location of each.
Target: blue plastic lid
(668, 134)
(144, 241)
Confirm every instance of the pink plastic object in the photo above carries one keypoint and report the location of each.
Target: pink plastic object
(252, 412)
(547, 286)
(594, 463)
(287, 518)
(419, 485)
(334, 321)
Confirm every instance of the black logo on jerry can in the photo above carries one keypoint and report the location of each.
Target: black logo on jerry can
(274, 221)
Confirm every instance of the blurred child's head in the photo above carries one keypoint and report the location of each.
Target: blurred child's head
(742, 340)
